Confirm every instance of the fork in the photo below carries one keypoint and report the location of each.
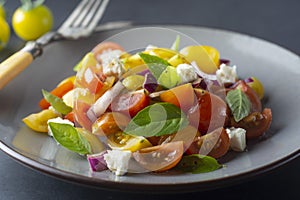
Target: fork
(81, 23)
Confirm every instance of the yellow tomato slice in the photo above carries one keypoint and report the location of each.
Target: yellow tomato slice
(121, 141)
(38, 121)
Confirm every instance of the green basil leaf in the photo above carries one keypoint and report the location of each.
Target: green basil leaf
(155, 64)
(197, 163)
(67, 136)
(238, 103)
(169, 78)
(57, 103)
(157, 120)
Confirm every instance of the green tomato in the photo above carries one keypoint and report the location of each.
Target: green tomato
(169, 78)
(133, 82)
(32, 23)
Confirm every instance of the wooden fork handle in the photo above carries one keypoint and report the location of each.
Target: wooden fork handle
(13, 66)
(19, 61)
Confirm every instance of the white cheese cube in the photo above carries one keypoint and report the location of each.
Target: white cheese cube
(226, 74)
(186, 72)
(237, 138)
(117, 161)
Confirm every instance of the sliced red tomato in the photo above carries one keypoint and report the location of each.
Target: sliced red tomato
(130, 103)
(105, 46)
(59, 91)
(182, 96)
(255, 124)
(91, 78)
(252, 95)
(210, 113)
(80, 114)
(214, 144)
(109, 123)
(160, 158)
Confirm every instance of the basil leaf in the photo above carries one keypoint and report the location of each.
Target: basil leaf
(197, 163)
(67, 136)
(238, 103)
(155, 64)
(157, 120)
(57, 103)
(169, 78)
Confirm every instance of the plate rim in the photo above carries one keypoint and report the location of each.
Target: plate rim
(157, 187)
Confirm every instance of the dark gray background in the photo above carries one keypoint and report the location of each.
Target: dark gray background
(276, 21)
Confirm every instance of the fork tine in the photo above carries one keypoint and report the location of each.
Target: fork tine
(74, 14)
(88, 9)
(98, 15)
(91, 13)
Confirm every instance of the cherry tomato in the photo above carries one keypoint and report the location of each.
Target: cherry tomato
(255, 124)
(182, 96)
(160, 158)
(105, 46)
(130, 103)
(210, 113)
(252, 95)
(4, 33)
(109, 123)
(59, 91)
(214, 144)
(33, 22)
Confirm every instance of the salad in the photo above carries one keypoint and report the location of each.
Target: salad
(153, 110)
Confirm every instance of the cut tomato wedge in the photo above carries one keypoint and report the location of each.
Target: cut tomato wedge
(215, 144)
(130, 103)
(255, 124)
(210, 113)
(80, 114)
(160, 158)
(182, 96)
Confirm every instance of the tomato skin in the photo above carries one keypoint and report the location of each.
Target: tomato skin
(211, 112)
(214, 144)
(59, 91)
(160, 158)
(130, 103)
(255, 124)
(109, 123)
(33, 23)
(105, 46)
(182, 96)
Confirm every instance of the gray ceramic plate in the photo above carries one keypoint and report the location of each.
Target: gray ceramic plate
(276, 67)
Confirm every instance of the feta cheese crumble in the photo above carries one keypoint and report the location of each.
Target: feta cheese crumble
(237, 138)
(186, 72)
(58, 120)
(117, 161)
(111, 63)
(226, 74)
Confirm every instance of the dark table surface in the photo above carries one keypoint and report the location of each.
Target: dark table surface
(276, 21)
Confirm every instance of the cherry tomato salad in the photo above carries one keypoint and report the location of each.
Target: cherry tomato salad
(154, 110)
